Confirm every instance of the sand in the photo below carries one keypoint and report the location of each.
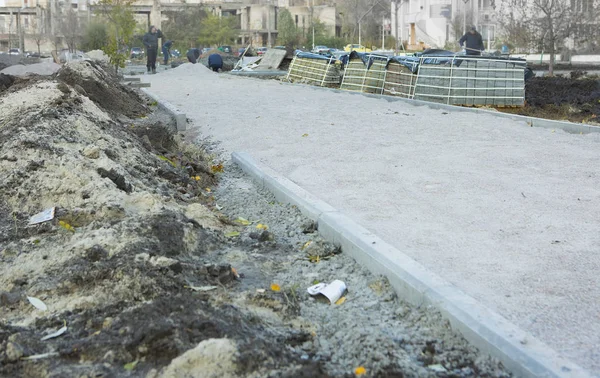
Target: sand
(508, 213)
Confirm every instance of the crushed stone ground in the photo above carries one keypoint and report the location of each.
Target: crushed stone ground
(508, 213)
(151, 270)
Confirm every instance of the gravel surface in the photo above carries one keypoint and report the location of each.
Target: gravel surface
(507, 213)
(372, 327)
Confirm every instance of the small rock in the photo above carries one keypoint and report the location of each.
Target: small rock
(437, 368)
(266, 236)
(309, 227)
(109, 356)
(96, 253)
(91, 152)
(13, 352)
(142, 257)
(7, 298)
(163, 262)
(146, 142)
(291, 233)
(107, 323)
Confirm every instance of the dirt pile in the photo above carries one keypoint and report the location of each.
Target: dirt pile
(90, 79)
(574, 99)
(157, 271)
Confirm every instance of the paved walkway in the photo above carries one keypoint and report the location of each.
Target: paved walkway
(508, 213)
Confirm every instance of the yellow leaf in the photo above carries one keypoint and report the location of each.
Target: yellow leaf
(304, 135)
(360, 370)
(208, 190)
(340, 301)
(216, 168)
(275, 287)
(130, 366)
(242, 221)
(197, 178)
(306, 244)
(232, 234)
(261, 226)
(96, 333)
(167, 160)
(66, 226)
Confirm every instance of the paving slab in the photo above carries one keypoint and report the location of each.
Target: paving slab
(506, 212)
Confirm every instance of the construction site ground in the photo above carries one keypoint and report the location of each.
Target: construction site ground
(162, 259)
(506, 212)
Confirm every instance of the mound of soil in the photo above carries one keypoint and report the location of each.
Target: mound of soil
(561, 98)
(92, 80)
(5, 82)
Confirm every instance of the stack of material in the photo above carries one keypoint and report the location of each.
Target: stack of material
(365, 73)
(399, 80)
(473, 81)
(315, 69)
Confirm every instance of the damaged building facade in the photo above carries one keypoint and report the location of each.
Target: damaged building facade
(24, 22)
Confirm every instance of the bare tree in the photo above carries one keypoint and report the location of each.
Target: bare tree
(70, 28)
(546, 22)
(39, 31)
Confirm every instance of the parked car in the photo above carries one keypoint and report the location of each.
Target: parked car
(136, 53)
(14, 51)
(206, 49)
(320, 49)
(280, 47)
(225, 49)
(241, 51)
(357, 48)
(261, 51)
(175, 53)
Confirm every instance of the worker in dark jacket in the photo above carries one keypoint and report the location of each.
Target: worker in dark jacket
(193, 55)
(166, 50)
(215, 62)
(150, 40)
(473, 42)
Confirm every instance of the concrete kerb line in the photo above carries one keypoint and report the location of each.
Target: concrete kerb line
(570, 127)
(520, 353)
(180, 117)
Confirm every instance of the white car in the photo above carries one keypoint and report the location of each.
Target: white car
(320, 49)
(14, 51)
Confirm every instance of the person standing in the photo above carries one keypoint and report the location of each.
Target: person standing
(215, 62)
(166, 50)
(473, 42)
(150, 40)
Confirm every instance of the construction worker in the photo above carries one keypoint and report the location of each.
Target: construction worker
(473, 42)
(150, 40)
(215, 62)
(166, 50)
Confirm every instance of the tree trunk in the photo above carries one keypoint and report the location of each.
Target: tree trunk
(552, 49)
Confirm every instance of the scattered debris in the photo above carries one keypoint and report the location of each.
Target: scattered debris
(333, 291)
(56, 334)
(43, 216)
(37, 303)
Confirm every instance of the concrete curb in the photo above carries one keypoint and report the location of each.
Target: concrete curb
(520, 353)
(570, 127)
(180, 118)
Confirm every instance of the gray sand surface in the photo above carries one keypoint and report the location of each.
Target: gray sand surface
(508, 213)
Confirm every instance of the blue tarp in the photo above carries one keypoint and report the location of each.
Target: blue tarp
(435, 56)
